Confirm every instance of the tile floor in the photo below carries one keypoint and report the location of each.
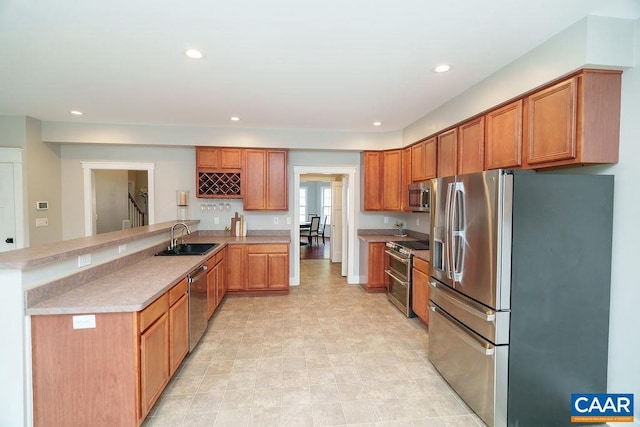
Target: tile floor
(326, 354)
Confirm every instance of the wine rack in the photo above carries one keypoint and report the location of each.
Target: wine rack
(219, 184)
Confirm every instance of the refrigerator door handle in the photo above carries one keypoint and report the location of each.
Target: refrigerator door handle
(458, 234)
(448, 232)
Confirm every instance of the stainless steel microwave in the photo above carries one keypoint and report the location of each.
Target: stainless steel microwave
(420, 196)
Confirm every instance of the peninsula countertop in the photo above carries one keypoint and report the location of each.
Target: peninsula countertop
(133, 288)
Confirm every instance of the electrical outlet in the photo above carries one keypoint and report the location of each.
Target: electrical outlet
(276, 220)
(42, 222)
(122, 248)
(417, 221)
(84, 260)
(216, 220)
(288, 220)
(84, 321)
(386, 220)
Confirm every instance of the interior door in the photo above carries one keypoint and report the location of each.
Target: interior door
(335, 250)
(7, 209)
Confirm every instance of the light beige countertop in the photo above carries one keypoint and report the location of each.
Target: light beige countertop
(133, 288)
(425, 255)
(25, 258)
(382, 238)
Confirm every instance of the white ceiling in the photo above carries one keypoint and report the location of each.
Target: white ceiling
(334, 64)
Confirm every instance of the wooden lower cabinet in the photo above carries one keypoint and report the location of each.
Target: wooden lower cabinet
(216, 281)
(178, 325)
(376, 277)
(258, 268)
(420, 289)
(154, 363)
(112, 374)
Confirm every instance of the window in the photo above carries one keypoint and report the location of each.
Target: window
(303, 204)
(326, 203)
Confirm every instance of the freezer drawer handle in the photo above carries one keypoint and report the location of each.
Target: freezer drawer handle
(489, 317)
(396, 278)
(463, 335)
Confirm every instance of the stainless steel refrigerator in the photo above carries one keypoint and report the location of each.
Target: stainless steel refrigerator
(519, 291)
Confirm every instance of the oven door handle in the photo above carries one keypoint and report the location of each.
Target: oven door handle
(396, 278)
(397, 257)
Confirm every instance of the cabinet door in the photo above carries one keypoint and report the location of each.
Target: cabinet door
(230, 158)
(253, 181)
(420, 294)
(447, 152)
(377, 277)
(179, 332)
(417, 162)
(430, 159)
(221, 282)
(212, 286)
(278, 271)
(392, 180)
(471, 146)
(257, 271)
(207, 157)
(276, 191)
(551, 123)
(154, 363)
(406, 178)
(372, 186)
(503, 140)
(235, 267)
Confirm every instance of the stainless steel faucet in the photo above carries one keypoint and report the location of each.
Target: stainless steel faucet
(174, 241)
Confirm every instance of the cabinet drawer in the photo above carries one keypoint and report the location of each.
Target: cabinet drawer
(177, 291)
(420, 264)
(153, 312)
(267, 248)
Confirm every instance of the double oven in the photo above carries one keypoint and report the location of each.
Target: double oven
(399, 278)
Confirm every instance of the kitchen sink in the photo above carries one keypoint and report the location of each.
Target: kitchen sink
(188, 249)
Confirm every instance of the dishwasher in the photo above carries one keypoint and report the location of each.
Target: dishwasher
(197, 281)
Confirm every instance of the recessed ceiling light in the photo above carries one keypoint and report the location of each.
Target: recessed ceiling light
(377, 123)
(234, 118)
(194, 54)
(443, 68)
(76, 112)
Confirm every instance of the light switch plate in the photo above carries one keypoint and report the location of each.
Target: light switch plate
(122, 248)
(288, 220)
(386, 220)
(42, 222)
(276, 220)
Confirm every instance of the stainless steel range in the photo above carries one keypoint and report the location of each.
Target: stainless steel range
(400, 262)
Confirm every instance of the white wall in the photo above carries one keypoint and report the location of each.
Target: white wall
(601, 42)
(43, 184)
(111, 199)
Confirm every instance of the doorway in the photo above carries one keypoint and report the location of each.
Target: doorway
(12, 232)
(346, 228)
(90, 191)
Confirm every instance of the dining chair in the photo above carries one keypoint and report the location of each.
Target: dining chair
(322, 229)
(312, 231)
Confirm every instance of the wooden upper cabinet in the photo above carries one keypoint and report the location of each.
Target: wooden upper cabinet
(265, 180)
(447, 153)
(471, 146)
(575, 121)
(503, 137)
(406, 178)
(423, 160)
(372, 181)
(391, 180)
(218, 158)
